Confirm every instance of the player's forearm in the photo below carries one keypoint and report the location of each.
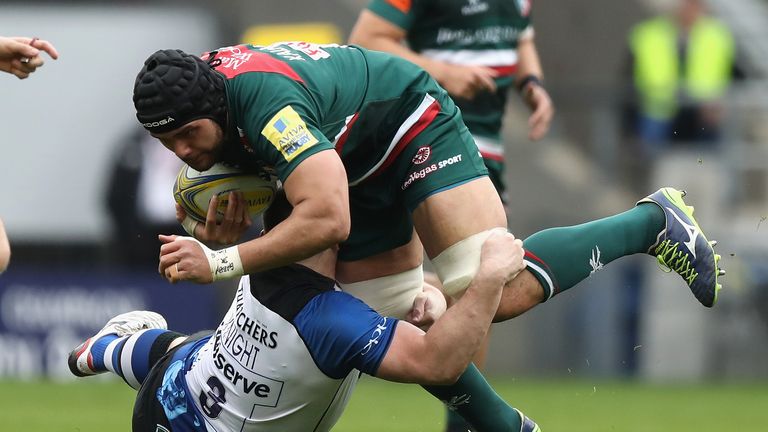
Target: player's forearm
(387, 44)
(528, 62)
(300, 236)
(453, 340)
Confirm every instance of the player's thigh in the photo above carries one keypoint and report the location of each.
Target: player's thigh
(380, 221)
(447, 188)
(393, 261)
(382, 240)
(162, 388)
(451, 215)
(437, 184)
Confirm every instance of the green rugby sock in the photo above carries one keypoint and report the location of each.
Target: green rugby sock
(562, 257)
(473, 398)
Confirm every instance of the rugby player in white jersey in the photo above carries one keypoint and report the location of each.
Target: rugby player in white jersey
(291, 348)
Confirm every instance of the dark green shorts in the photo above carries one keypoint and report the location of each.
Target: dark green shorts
(443, 155)
(496, 173)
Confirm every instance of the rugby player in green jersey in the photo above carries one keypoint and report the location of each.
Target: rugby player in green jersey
(369, 149)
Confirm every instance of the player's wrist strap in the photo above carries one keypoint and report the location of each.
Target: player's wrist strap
(529, 79)
(225, 263)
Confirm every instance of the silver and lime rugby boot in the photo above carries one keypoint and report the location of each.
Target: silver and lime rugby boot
(527, 425)
(682, 246)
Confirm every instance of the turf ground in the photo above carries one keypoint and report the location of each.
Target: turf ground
(572, 406)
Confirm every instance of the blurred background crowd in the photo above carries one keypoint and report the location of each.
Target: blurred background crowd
(85, 191)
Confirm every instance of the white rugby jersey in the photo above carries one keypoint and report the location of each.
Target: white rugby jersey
(285, 358)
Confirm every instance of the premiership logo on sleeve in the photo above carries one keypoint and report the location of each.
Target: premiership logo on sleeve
(288, 133)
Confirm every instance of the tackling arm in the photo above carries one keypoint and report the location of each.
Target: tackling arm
(441, 355)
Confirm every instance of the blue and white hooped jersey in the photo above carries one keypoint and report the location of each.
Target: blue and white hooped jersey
(285, 358)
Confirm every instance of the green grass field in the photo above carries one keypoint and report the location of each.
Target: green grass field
(572, 406)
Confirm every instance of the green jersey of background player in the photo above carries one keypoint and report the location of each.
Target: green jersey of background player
(477, 50)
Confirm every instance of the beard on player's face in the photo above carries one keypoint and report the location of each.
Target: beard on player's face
(205, 152)
(198, 143)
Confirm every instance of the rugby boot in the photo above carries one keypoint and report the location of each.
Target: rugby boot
(81, 360)
(682, 246)
(527, 425)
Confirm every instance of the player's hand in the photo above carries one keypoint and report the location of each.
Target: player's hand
(428, 306)
(20, 56)
(232, 226)
(182, 258)
(181, 214)
(501, 258)
(538, 100)
(465, 82)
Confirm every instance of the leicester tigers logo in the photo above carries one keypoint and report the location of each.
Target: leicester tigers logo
(422, 155)
(524, 6)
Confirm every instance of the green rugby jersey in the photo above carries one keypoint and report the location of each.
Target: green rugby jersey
(292, 99)
(467, 32)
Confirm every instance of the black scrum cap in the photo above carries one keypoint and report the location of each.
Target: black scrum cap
(174, 88)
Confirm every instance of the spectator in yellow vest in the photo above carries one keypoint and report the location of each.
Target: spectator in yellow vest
(681, 66)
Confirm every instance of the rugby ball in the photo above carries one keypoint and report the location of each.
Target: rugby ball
(194, 189)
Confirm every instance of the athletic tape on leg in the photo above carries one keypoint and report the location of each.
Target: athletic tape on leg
(391, 295)
(457, 265)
